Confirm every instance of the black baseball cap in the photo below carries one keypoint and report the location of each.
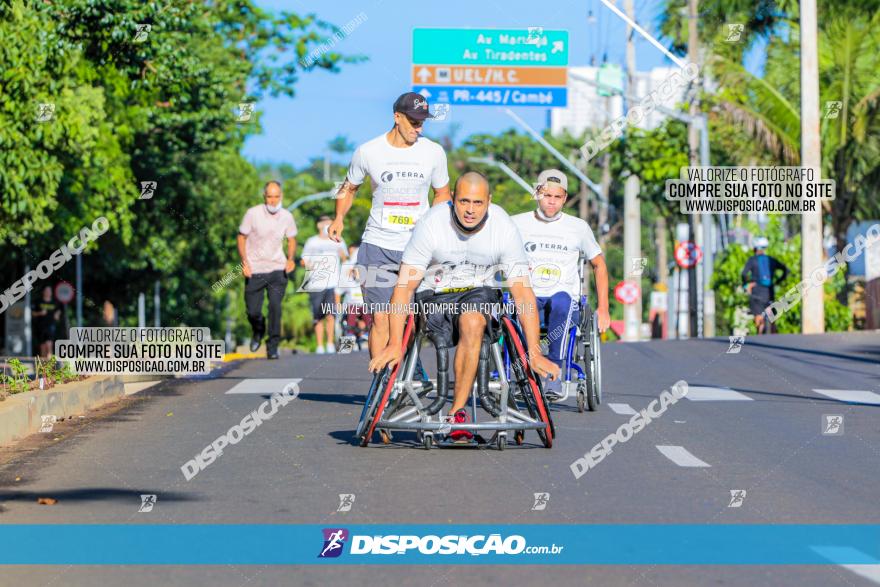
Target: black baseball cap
(413, 105)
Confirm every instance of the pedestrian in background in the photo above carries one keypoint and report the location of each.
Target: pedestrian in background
(264, 265)
(760, 280)
(46, 314)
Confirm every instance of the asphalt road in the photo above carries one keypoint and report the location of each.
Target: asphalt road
(761, 432)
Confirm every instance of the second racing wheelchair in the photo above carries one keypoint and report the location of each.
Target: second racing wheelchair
(581, 356)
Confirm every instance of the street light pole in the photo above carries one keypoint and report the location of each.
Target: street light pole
(79, 291)
(568, 164)
(507, 170)
(632, 214)
(157, 301)
(813, 311)
(311, 198)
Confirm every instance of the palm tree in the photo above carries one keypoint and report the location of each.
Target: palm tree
(850, 88)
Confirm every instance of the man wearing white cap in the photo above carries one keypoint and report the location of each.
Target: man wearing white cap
(553, 242)
(759, 278)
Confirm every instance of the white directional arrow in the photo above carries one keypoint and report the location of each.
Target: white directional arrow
(558, 47)
(423, 74)
(425, 92)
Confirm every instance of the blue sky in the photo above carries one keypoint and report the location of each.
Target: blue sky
(357, 101)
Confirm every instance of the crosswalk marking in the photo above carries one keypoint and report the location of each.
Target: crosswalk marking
(869, 571)
(681, 457)
(851, 396)
(260, 386)
(622, 409)
(703, 393)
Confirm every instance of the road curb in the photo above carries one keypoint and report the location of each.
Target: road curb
(21, 414)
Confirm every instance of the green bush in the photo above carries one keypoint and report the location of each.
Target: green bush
(17, 381)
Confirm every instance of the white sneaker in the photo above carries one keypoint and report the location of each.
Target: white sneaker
(320, 351)
(331, 348)
(553, 389)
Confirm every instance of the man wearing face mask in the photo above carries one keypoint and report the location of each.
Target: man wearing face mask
(321, 257)
(264, 265)
(553, 242)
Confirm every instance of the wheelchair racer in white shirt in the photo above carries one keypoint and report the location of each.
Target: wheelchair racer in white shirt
(553, 242)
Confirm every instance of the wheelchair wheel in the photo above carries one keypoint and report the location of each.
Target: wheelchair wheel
(594, 387)
(371, 401)
(389, 376)
(528, 384)
(581, 396)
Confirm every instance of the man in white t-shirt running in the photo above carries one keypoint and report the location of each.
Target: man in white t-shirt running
(403, 166)
(321, 257)
(457, 243)
(553, 242)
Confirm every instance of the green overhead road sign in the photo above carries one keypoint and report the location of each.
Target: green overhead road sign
(531, 46)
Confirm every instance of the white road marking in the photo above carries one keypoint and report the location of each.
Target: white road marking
(260, 386)
(622, 409)
(138, 386)
(871, 572)
(851, 396)
(700, 393)
(681, 457)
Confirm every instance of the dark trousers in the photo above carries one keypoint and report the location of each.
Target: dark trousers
(275, 283)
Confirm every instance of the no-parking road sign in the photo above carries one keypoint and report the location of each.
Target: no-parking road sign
(687, 254)
(627, 292)
(64, 292)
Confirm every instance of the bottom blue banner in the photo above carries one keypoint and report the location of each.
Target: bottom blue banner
(600, 544)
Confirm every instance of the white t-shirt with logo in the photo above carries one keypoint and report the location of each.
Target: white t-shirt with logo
(553, 249)
(401, 178)
(322, 258)
(455, 261)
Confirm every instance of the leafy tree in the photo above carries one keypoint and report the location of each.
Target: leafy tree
(767, 108)
(131, 108)
(341, 145)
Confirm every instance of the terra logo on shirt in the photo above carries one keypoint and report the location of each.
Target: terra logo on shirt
(531, 246)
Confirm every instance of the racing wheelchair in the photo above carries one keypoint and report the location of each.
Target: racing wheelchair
(403, 399)
(582, 360)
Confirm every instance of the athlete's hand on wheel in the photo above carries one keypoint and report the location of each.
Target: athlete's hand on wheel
(335, 229)
(389, 356)
(604, 319)
(544, 367)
